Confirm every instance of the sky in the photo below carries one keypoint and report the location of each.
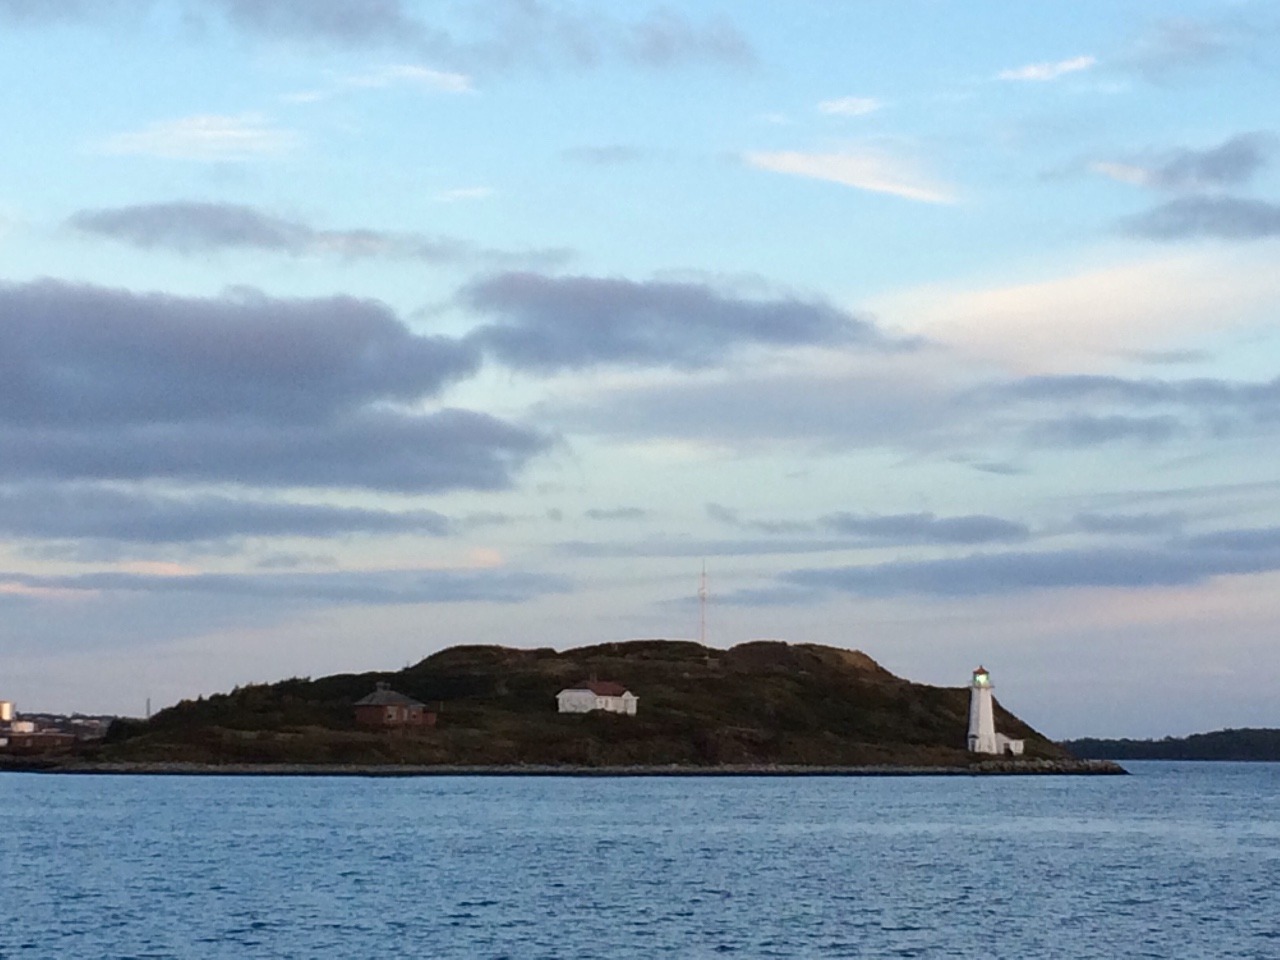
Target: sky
(337, 332)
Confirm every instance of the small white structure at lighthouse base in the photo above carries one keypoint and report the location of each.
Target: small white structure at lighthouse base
(982, 720)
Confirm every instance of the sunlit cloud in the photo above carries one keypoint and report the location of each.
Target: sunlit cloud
(862, 170)
(204, 137)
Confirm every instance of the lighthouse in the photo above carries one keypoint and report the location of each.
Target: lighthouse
(982, 716)
(982, 720)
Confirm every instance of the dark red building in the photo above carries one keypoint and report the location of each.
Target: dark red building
(384, 709)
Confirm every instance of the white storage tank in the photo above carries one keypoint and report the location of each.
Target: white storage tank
(6, 711)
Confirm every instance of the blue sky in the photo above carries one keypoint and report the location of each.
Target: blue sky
(336, 332)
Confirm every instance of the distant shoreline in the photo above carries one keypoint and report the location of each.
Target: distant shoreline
(986, 768)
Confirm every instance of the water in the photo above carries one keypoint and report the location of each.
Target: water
(1180, 860)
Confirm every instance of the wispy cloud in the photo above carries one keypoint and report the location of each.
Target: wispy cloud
(1048, 70)
(204, 137)
(862, 170)
(850, 106)
(412, 75)
(192, 227)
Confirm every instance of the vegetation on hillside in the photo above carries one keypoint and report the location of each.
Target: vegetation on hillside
(757, 703)
(1247, 744)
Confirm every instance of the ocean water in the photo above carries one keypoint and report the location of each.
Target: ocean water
(1177, 861)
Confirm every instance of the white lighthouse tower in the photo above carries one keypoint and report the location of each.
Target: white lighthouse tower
(982, 720)
(982, 716)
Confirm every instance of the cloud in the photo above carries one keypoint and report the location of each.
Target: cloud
(1177, 43)
(205, 137)
(926, 528)
(441, 81)
(1223, 218)
(893, 408)
(1129, 524)
(550, 323)
(1189, 562)
(498, 33)
(1049, 70)
(616, 513)
(190, 227)
(1084, 430)
(98, 383)
(862, 170)
(40, 11)
(376, 587)
(850, 106)
(345, 22)
(1231, 163)
(1064, 322)
(78, 512)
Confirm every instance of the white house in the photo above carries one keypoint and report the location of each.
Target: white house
(597, 695)
(982, 720)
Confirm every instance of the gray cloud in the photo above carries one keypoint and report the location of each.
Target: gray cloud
(191, 227)
(657, 547)
(1200, 392)
(108, 384)
(1226, 218)
(1083, 430)
(497, 33)
(1143, 524)
(1231, 163)
(926, 528)
(380, 587)
(80, 512)
(347, 22)
(473, 34)
(734, 518)
(616, 513)
(379, 450)
(557, 323)
(996, 573)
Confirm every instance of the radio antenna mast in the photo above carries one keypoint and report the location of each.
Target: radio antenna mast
(702, 606)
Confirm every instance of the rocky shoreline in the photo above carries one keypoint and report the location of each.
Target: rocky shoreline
(981, 768)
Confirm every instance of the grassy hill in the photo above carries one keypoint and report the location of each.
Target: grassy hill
(757, 703)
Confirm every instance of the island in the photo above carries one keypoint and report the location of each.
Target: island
(634, 707)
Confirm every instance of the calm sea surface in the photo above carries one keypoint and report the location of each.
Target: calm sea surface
(1179, 860)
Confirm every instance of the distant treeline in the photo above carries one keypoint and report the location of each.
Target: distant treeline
(1219, 745)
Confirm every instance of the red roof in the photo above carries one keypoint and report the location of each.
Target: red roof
(603, 688)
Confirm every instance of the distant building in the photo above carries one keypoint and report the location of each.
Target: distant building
(384, 709)
(597, 695)
(6, 711)
(982, 720)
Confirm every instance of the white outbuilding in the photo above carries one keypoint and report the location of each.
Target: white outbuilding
(597, 695)
(982, 720)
